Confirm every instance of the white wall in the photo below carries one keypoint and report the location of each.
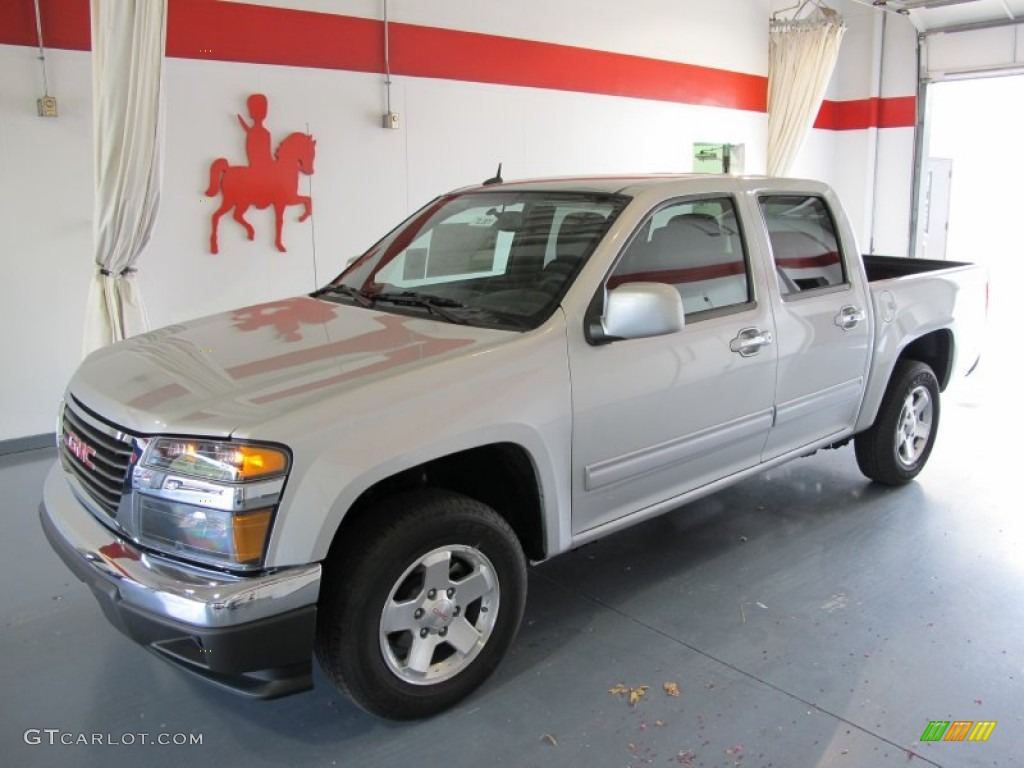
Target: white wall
(366, 179)
(45, 234)
(977, 51)
(893, 183)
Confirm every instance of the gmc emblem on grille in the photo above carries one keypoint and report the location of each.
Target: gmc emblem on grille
(78, 447)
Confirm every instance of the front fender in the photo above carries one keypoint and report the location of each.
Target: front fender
(518, 394)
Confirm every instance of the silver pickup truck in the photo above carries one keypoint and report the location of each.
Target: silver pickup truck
(517, 369)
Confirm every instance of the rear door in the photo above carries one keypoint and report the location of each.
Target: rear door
(822, 322)
(656, 417)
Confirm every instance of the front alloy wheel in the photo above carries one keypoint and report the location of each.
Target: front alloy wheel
(439, 615)
(421, 597)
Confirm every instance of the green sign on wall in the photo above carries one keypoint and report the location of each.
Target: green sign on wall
(711, 158)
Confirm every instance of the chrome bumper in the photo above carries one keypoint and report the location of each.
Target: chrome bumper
(195, 596)
(250, 634)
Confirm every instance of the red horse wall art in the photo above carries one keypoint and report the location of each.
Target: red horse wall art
(268, 179)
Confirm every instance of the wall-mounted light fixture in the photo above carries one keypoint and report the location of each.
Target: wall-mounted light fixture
(47, 104)
(390, 117)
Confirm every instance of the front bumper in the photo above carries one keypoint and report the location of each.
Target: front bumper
(251, 634)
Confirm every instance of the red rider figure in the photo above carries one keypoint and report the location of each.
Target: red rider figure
(257, 137)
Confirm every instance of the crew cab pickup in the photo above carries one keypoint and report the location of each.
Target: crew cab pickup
(363, 474)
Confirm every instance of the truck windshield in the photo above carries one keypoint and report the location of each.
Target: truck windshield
(496, 259)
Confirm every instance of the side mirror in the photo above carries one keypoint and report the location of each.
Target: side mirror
(639, 310)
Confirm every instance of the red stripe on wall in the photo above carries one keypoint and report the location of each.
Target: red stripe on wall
(65, 23)
(222, 31)
(200, 29)
(859, 114)
(455, 55)
(204, 29)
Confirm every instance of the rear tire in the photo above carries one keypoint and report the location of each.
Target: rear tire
(420, 602)
(894, 450)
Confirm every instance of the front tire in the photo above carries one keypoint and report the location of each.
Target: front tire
(420, 602)
(894, 450)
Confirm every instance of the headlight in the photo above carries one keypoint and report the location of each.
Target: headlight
(208, 500)
(230, 462)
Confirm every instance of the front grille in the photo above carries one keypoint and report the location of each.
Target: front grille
(106, 448)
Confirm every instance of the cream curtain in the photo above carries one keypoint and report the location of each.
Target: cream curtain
(128, 39)
(802, 55)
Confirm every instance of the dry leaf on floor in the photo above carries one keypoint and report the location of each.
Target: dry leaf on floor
(671, 689)
(550, 739)
(618, 690)
(636, 694)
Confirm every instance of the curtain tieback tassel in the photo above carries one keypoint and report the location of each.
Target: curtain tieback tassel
(122, 273)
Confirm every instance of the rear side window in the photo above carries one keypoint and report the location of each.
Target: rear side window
(804, 243)
(694, 246)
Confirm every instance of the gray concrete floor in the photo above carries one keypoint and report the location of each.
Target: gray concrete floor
(808, 618)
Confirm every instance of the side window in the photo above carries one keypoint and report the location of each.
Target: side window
(694, 246)
(804, 243)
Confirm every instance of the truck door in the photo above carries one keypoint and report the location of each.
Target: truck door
(657, 417)
(823, 330)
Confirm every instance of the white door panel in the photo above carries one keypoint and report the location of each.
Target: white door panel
(654, 418)
(822, 323)
(678, 452)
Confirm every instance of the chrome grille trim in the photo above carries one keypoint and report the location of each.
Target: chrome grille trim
(106, 482)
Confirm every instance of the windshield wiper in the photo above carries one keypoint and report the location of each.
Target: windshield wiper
(438, 305)
(362, 297)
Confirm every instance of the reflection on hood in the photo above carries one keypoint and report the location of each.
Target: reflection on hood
(242, 366)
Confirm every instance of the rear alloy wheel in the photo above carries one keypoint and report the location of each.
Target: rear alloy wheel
(420, 603)
(914, 432)
(897, 446)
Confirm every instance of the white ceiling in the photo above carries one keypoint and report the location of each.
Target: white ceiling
(957, 13)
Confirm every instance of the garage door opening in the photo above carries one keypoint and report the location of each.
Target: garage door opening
(974, 129)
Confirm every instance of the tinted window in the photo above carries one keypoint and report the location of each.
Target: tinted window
(804, 243)
(695, 247)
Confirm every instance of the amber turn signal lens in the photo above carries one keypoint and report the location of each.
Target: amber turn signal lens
(255, 461)
(250, 534)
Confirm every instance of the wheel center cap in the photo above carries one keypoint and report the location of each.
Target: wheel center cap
(440, 614)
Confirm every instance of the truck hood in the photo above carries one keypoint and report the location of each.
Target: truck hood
(213, 375)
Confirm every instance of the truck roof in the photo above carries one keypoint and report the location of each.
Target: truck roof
(632, 184)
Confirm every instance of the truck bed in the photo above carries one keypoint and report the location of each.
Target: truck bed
(887, 267)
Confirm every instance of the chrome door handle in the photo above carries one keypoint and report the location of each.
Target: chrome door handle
(749, 341)
(849, 317)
